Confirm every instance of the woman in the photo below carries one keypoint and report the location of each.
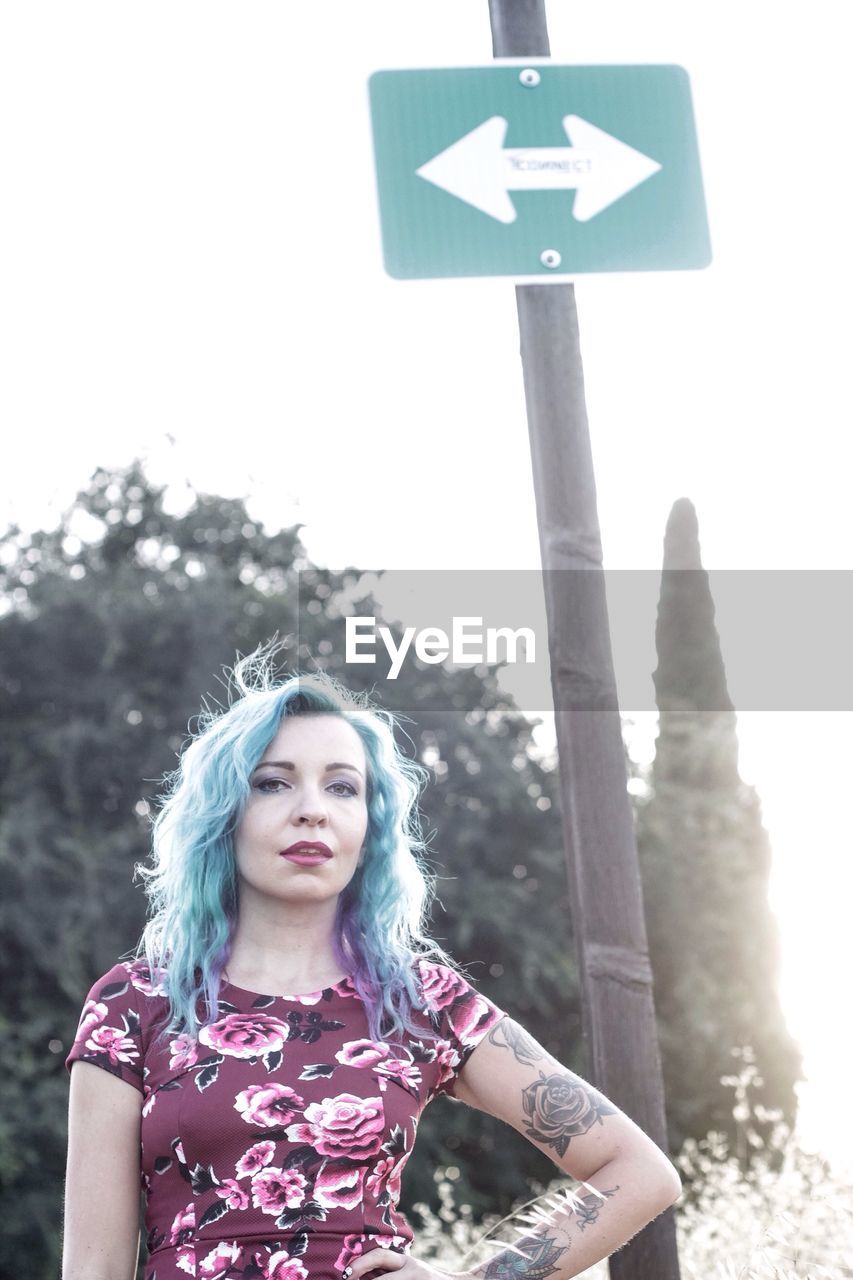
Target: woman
(266, 1055)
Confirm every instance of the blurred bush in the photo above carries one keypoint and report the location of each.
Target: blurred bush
(788, 1217)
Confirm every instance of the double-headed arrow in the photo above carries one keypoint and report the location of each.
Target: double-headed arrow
(481, 171)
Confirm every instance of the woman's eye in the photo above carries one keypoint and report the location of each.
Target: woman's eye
(349, 789)
(270, 786)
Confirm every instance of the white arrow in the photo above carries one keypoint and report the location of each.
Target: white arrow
(481, 171)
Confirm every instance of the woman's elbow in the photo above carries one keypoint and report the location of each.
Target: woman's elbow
(654, 1175)
(670, 1185)
(659, 1174)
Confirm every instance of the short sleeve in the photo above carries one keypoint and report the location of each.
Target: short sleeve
(109, 1032)
(462, 1016)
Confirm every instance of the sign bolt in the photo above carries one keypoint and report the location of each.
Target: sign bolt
(529, 78)
(550, 258)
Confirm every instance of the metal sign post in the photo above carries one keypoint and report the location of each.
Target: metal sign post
(538, 171)
(604, 875)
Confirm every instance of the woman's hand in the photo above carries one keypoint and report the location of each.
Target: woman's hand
(402, 1264)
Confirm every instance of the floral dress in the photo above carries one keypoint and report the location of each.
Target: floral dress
(272, 1147)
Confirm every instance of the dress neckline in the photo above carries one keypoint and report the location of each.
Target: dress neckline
(341, 987)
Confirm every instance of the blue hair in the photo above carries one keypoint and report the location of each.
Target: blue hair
(192, 888)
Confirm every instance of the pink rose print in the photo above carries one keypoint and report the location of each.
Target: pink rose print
(217, 1262)
(362, 1053)
(92, 1016)
(447, 1059)
(186, 1259)
(140, 979)
(274, 1190)
(150, 1098)
(235, 1196)
(245, 1035)
(179, 1152)
(351, 1248)
(342, 1126)
(389, 1242)
(255, 1158)
(183, 1052)
(114, 1042)
(183, 1225)
(280, 1266)
(355, 1246)
(440, 985)
(469, 1017)
(406, 1073)
(339, 1185)
(268, 1104)
(387, 1176)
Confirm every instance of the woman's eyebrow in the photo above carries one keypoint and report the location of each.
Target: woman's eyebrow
(288, 764)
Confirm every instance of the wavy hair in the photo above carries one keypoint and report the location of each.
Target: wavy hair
(192, 887)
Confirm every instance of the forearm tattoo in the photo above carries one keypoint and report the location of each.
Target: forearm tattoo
(509, 1035)
(541, 1260)
(542, 1253)
(587, 1207)
(561, 1107)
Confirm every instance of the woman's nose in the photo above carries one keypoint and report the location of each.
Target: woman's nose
(310, 815)
(311, 807)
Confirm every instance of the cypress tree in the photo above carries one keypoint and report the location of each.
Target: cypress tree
(705, 862)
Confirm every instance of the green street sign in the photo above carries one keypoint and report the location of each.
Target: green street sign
(532, 170)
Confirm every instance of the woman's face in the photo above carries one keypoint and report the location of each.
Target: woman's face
(310, 786)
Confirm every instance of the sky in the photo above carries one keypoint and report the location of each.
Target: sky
(191, 273)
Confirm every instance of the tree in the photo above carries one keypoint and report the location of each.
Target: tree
(705, 861)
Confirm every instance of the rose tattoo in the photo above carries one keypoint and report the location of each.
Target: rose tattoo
(561, 1107)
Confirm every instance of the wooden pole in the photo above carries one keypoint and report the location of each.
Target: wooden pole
(604, 878)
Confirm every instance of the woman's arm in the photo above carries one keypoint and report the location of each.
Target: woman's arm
(629, 1180)
(101, 1232)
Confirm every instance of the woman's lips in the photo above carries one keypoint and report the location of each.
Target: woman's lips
(306, 859)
